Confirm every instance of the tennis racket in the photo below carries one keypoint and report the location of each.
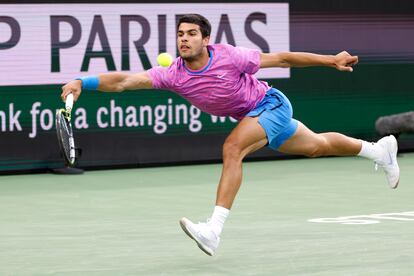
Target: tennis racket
(64, 131)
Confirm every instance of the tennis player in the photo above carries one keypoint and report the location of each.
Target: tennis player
(219, 79)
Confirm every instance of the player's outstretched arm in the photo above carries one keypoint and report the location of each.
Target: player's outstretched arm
(342, 61)
(110, 82)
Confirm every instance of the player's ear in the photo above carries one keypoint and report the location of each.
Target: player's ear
(206, 40)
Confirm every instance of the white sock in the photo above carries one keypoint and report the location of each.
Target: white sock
(218, 218)
(370, 150)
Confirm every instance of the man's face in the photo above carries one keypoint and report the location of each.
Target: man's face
(190, 42)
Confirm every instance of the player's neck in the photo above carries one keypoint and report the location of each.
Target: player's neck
(198, 63)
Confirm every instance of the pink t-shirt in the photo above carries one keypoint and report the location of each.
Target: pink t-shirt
(224, 87)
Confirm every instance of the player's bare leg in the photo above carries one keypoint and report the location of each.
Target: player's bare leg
(306, 142)
(247, 137)
(383, 153)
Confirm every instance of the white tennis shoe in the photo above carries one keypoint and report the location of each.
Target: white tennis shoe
(203, 234)
(388, 161)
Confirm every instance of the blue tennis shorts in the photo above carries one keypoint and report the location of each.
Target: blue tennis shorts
(275, 116)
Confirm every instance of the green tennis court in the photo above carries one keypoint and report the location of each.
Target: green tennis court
(125, 222)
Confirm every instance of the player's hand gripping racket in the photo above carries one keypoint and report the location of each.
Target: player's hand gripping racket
(64, 131)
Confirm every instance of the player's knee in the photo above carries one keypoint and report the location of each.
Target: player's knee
(231, 150)
(320, 147)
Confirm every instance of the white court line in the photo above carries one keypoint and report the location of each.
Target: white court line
(367, 219)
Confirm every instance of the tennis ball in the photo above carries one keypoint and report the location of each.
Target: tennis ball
(164, 59)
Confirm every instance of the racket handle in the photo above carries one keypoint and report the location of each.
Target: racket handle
(69, 101)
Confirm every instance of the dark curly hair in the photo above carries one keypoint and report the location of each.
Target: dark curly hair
(199, 20)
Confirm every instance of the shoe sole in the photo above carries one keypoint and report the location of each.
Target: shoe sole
(183, 222)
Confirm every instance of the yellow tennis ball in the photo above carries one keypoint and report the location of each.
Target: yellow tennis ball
(164, 59)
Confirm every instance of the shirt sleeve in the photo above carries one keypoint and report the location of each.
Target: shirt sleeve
(160, 77)
(244, 59)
